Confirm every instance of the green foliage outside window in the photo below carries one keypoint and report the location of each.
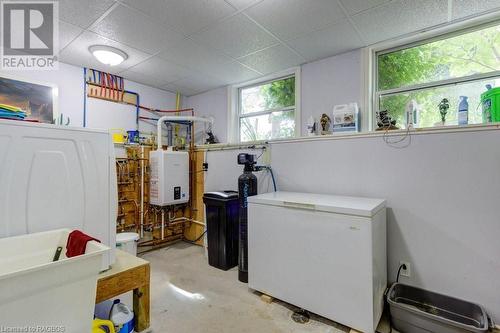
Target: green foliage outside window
(275, 95)
(472, 53)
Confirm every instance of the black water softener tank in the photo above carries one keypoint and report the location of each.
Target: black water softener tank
(222, 214)
(247, 186)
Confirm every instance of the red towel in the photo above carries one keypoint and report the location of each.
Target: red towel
(77, 242)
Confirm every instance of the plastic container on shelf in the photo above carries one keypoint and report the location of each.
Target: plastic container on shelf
(133, 137)
(119, 135)
(490, 101)
(35, 291)
(463, 111)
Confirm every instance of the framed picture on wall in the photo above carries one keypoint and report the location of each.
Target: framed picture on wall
(38, 100)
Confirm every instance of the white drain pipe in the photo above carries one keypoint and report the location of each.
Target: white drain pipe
(177, 118)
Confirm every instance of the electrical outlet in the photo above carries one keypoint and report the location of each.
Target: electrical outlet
(405, 272)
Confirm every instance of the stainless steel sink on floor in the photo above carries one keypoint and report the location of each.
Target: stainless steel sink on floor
(415, 310)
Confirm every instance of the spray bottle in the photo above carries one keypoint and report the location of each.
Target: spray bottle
(463, 111)
(412, 114)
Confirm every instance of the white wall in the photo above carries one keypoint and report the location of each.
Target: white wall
(223, 170)
(212, 103)
(100, 114)
(324, 83)
(443, 198)
(328, 82)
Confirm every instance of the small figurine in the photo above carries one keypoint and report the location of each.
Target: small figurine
(325, 122)
(211, 139)
(443, 109)
(385, 122)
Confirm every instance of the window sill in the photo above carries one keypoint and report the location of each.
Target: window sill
(356, 135)
(416, 131)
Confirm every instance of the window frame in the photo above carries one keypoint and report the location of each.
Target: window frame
(234, 101)
(371, 53)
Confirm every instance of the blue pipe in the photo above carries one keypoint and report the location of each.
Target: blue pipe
(137, 111)
(137, 108)
(84, 96)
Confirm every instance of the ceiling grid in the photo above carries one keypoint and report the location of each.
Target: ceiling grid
(197, 45)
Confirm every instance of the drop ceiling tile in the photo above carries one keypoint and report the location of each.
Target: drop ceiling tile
(338, 38)
(464, 8)
(193, 55)
(356, 6)
(196, 84)
(83, 12)
(162, 70)
(136, 29)
(236, 36)
(178, 89)
(399, 18)
(67, 32)
(272, 59)
(77, 53)
(290, 18)
(186, 16)
(233, 72)
(196, 56)
(144, 79)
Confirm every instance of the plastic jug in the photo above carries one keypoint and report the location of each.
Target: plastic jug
(119, 135)
(122, 317)
(463, 111)
(102, 326)
(133, 137)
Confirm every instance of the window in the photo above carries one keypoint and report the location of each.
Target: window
(267, 110)
(447, 67)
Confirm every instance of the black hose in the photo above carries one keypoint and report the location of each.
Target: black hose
(402, 266)
(272, 176)
(197, 239)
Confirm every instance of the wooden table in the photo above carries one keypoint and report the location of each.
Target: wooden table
(128, 273)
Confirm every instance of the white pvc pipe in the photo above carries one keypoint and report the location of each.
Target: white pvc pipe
(177, 118)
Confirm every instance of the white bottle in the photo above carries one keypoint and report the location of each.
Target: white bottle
(311, 126)
(412, 114)
(463, 111)
(122, 317)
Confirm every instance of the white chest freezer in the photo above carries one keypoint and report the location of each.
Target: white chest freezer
(323, 253)
(55, 177)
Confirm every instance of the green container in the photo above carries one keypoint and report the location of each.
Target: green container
(490, 101)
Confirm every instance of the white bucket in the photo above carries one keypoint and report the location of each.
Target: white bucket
(127, 241)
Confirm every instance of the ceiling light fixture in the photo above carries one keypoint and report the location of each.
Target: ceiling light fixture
(108, 55)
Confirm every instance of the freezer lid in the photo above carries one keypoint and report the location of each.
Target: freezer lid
(321, 202)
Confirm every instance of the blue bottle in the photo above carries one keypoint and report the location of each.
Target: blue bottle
(463, 111)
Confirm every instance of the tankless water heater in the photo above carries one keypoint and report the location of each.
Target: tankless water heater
(169, 180)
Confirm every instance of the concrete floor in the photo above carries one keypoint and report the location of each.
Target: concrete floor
(188, 295)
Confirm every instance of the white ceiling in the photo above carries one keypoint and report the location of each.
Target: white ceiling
(192, 46)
